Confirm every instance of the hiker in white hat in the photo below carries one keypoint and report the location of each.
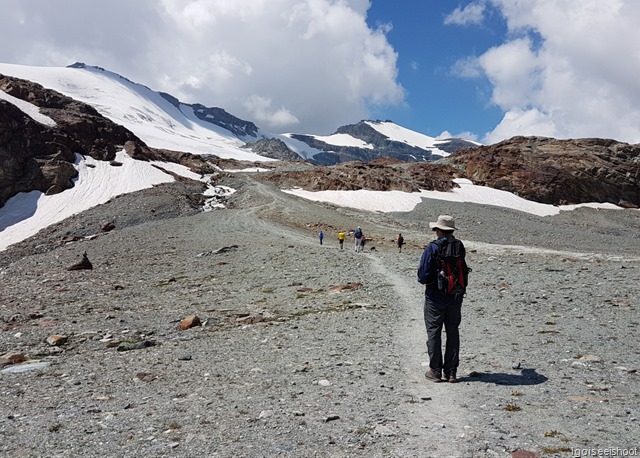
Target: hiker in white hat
(444, 272)
(445, 223)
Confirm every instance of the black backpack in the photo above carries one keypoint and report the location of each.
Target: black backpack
(453, 272)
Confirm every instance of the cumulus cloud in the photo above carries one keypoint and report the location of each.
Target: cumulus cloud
(567, 69)
(473, 13)
(309, 64)
(262, 110)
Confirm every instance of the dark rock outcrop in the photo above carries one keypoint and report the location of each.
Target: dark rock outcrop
(83, 264)
(557, 171)
(217, 116)
(274, 149)
(384, 174)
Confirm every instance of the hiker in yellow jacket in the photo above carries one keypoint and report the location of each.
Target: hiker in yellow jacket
(341, 237)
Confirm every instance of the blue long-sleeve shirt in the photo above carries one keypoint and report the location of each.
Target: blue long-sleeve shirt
(428, 274)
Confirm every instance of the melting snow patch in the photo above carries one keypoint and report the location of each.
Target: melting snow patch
(219, 195)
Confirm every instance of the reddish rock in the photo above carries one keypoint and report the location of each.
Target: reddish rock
(190, 322)
(348, 286)
(524, 454)
(12, 357)
(57, 340)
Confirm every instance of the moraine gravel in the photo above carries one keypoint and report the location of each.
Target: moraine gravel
(306, 350)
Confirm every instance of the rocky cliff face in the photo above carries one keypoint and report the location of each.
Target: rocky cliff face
(385, 174)
(557, 171)
(274, 149)
(218, 117)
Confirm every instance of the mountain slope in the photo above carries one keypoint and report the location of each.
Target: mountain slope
(163, 121)
(369, 140)
(112, 136)
(159, 120)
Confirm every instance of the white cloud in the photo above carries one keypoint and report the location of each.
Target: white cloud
(522, 122)
(567, 69)
(467, 67)
(261, 110)
(470, 14)
(316, 60)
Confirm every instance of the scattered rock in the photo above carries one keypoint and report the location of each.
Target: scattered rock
(57, 340)
(348, 286)
(524, 454)
(190, 322)
(224, 249)
(83, 264)
(127, 346)
(590, 358)
(146, 376)
(12, 357)
(109, 226)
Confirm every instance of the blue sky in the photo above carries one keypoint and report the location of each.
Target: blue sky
(482, 69)
(437, 99)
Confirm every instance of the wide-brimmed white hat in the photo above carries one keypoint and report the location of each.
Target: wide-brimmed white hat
(444, 223)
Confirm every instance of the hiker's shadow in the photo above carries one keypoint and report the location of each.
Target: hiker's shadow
(525, 377)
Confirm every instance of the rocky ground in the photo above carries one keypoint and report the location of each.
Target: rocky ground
(305, 350)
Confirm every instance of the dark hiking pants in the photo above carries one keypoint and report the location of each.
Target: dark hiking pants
(437, 315)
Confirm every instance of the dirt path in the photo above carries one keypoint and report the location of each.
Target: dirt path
(434, 422)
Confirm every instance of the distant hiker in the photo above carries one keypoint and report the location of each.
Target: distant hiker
(443, 271)
(363, 239)
(320, 236)
(341, 237)
(400, 242)
(357, 235)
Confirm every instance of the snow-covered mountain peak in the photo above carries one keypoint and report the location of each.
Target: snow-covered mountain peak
(155, 118)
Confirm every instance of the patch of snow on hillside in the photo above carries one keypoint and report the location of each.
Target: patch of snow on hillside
(297, 146)
(410, 137)
(399, 201)
(343, 140)
(27, 213)
(29, 109)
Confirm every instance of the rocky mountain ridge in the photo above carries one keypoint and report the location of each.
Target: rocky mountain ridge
(378, 145)
(34, 156)
(555, 171)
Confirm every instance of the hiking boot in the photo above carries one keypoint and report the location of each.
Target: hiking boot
(451, 378)
(434, 376)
